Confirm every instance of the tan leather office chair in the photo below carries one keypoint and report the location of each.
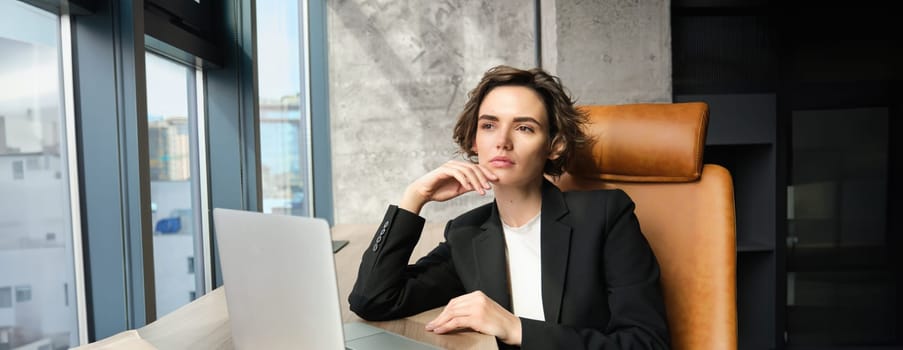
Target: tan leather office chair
(686, 209)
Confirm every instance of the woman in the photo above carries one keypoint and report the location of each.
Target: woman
(537, 268)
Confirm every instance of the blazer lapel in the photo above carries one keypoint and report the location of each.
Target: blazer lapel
(492, 265)
(555, 241)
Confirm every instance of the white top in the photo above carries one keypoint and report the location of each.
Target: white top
(525, 268)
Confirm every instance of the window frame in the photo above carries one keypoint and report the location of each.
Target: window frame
(198, 170)
(318, 108)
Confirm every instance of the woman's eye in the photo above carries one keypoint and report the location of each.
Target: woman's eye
(486, 126)
(524, 128)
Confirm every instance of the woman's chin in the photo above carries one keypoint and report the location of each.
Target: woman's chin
(509, 181)
(506, 182)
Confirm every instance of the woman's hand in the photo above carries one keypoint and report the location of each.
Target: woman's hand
(480, 313)
(448, 181)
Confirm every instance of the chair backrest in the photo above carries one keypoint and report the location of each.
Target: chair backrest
(686, 209)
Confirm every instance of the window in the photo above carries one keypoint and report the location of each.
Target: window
(18, 170)
(173, 158)
(6, 297)
(191, 265)
(283, 113)
(33, 163)
(32, 129)
(23, 294)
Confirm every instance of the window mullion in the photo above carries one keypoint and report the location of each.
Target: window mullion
(71, 156)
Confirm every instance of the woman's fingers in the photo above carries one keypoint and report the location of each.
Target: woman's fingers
(455, 323)
(448, 181)
(465, 311)
(480, 313)
(475, 177)
(478, 176)
(486, 172)
(451, 316)
(453, 179)
(460, 176)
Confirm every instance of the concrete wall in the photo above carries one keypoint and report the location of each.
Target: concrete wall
(400, 71)
(609, 51)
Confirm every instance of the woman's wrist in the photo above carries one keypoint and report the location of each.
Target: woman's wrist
(514, 332)
(412, 201)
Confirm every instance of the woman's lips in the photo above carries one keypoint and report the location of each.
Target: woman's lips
(501, 162)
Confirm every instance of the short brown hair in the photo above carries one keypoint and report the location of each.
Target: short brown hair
(564, 119)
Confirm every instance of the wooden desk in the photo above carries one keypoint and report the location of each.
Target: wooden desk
(204, 323)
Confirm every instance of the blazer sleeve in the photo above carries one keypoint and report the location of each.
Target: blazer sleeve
(387, 287)
(635, 299)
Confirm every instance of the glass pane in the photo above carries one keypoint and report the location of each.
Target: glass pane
(37, 294)
(173, 164)
(283, 121)
(840, 285)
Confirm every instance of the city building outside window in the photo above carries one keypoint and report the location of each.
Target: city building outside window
(173, 158)
(37, 263)
(283, 114)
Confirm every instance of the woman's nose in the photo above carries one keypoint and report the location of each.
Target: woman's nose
(504, 141)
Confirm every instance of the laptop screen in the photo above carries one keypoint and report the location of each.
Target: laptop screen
(279, 278)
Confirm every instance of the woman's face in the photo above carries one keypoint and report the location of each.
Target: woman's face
(512, 137)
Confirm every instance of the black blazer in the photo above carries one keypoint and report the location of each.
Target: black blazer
(600, 279)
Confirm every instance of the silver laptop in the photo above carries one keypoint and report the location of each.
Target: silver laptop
(281, 288)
